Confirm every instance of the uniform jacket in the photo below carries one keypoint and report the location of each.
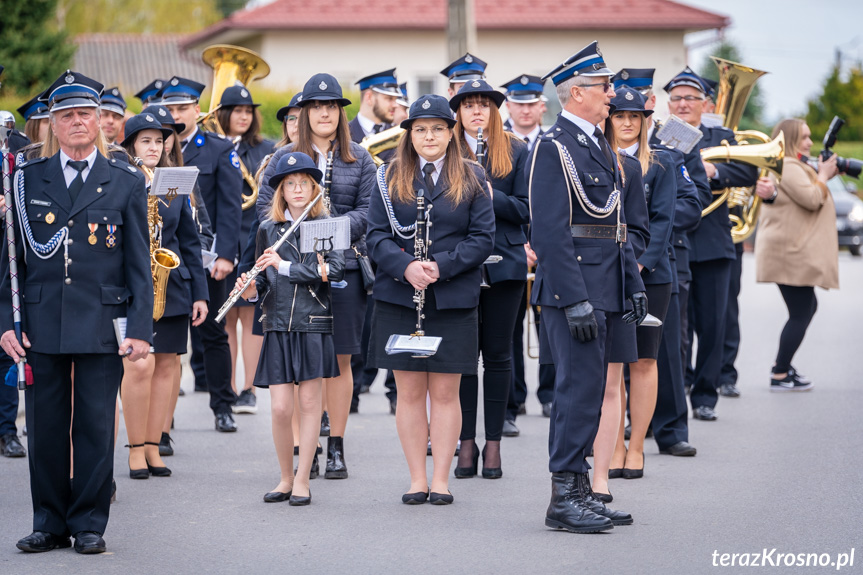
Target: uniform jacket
(511, 213)
(797, 242)
(75, 314)
(461, 238)
(301, 301)
(221, 184)
(186, 283)
(571, 269)
(660, 190)
(251, 157)
(349, 194)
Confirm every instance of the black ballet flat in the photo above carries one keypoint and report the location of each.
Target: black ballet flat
(276, 496)
(440, 498)
(138, 473)
(616, 473)
(465, 472)
(297, 501)
(417, 498)
(157, 471)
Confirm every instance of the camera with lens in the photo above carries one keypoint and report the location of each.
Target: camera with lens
(847, 166)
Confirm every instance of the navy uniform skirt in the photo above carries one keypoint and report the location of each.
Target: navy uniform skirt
(171, 334)
(649, 338)
(295, 356)
(458, 351)
(624, 348)
(349, 313)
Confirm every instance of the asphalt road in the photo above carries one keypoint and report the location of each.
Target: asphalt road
(776, 471)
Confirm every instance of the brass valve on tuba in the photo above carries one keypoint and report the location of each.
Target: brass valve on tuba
(232, 65)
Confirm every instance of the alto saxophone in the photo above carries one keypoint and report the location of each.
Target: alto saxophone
(162, 260)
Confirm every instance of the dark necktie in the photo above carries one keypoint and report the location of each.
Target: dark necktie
(378, 128)
(603, 145)
(428, 170)
(78, 182)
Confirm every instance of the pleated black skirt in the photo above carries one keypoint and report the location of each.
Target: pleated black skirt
(349, 313)
(171, 334)
(294, 356)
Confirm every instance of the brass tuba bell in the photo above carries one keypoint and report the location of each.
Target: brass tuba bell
(381, 142)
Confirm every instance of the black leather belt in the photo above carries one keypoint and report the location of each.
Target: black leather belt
(600, 232)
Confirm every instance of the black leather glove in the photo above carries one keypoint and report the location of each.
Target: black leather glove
(582, 322)
(639, 308)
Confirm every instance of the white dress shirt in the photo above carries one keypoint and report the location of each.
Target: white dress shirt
(69, 173)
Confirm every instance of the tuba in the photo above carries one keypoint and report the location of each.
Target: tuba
(381, 142)
(232, 65)
(162, 260)
(736, 82)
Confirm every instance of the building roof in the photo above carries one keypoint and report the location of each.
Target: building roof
(131, 61)
(490, 15)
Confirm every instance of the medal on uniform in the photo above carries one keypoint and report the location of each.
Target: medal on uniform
(49, 218)
(92, 239)
(111, 241)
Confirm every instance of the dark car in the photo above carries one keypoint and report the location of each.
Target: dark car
(849, 216)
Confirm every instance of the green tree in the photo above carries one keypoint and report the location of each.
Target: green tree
(228, 7)
(755, 107)
(136, 16)
(843, 98)
(31, 48)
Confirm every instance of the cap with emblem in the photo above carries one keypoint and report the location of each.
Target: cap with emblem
(403, 99)
(180, 91)
(72, 90)
(476, 88)
(323, 87)
(33, 109)
(466, 68)
(524, 89)
(639, 78)
(628, 99)
(586, 62)
(237, 96)
(686, 78)
(146, 120)
(382, 82)
(429, 106)
(292, 163)
(164, 116)
(294, 103)
(112, 101)
(149, 92)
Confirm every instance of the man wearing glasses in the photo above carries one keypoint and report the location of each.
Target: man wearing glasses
(586, 270)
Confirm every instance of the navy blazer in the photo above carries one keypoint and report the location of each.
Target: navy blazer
(511, 212)
(660, 190)
(461, 237)
(221, 184)
(187, 283)
(74, 313)
(712, 239)
(251, 157)
(571, 269)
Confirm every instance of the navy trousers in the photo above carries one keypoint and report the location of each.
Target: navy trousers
(728, 373)
(670, 423)
(217, 352)
(708, 302)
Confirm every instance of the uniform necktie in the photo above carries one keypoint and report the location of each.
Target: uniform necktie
(78, 182)
(378, 128)
(603, 145)
(428, 170)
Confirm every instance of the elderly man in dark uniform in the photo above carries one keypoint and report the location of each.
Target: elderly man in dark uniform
(586, 271)
(84, 261)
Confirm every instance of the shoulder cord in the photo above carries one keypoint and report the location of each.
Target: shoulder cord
(398, 229)
(46, 250)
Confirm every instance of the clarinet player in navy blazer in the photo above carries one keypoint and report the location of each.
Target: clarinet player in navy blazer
(586, 270)
(460, 237)
(84, 260)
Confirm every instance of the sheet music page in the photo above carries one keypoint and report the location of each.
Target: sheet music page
(171, 182)
(335, 233)
(679, 134)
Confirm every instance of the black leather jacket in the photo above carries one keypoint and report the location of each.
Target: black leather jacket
(300, 301)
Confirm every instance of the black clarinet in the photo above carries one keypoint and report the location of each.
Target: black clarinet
(480, 157)
(328, 180)
(421, 253)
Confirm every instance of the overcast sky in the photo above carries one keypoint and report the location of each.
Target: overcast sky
(793, 40)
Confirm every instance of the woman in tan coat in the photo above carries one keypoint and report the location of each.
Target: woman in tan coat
(797, 246)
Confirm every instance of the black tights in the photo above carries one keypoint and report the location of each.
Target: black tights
(801, 304)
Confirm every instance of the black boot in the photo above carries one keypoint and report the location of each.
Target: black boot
(597, 506)
(336, 468)
(567, 510)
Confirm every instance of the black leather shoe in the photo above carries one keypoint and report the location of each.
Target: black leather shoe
(417, 498)
(325, 424)
(466, 472)
(680, 449)
(144, 472)
(729, 390)
(567, 509)
(522, 410)
(615, 473)
(597, 506)
(704, 413)
(41, 541)
(441, 498)
(629, 473)
(10, 446)
(165, 447)
(225, 423)
(604, 497)
(89, 543)
(297, 501)
(510, 429)
(157, 471)
(546, 409)
(490, 472)
(336, 466)
(276, 496)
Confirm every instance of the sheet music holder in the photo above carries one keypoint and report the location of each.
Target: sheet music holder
(327, 234)
(679, 134)
(173, 182)
(420, 346)
(651, 321)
